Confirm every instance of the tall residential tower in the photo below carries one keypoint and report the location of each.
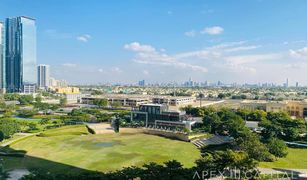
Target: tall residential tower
(43, 76)
(20, 52)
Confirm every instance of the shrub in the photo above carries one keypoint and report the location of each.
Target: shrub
(277, 147)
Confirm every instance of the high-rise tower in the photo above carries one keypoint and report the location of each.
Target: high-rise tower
(2, 57)
(43, 76)
(20, 52)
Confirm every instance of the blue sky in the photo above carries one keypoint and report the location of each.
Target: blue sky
(163, 41)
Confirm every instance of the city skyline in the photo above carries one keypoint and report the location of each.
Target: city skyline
(170, 41)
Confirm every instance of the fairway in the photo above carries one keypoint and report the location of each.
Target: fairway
(296, 159)
(72, 147)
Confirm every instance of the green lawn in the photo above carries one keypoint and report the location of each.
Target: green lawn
(296, 159)
(71, 147)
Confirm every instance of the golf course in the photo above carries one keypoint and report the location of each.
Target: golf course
(73, 148)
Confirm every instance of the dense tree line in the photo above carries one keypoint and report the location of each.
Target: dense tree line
(90, 115)
(208, 166)
(280, 125)
(276, 127)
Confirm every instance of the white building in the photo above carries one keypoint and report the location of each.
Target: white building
(43, 76)
(28, 89)
(57, 83)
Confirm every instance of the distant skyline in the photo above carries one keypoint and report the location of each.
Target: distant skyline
(88, 42)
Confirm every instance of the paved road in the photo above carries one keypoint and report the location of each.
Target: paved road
(282, 170)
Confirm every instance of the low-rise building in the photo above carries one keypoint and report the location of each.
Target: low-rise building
(72, 94)
(123, 100)
(28, 88)
(253, 105)
(276, 106)
(294, 108)
(67, 90)
(159, 115)
(174, 101)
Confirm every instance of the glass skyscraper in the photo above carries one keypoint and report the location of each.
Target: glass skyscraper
(20, 52)
(2, 57)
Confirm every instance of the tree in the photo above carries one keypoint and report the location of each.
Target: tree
(42, 106)
(225, 161)
(63, 102)
(277, 147)
(116, 104)
(116, 123)
(26, 113)
(252, 115)
(44, 121)
(1, 136)
(25, 99)
(100, 102)
(280, 125)
(251, 144)
(38, 99)
(221, 96)
(8, 127)
(11, 96)
(212, 122)
(200, 96)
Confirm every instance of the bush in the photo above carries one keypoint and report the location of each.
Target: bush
(277, 147)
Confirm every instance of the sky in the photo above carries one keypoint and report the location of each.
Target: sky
(124, 41)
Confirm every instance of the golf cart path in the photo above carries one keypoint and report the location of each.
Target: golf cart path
(25, 135)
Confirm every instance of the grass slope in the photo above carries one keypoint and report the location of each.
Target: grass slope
(67, 147)
(296, 159)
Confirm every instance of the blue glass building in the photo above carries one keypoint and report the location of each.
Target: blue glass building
(20, 52)
(2, 58)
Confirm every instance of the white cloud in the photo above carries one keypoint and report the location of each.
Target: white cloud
(241, 48)
(137, 47)
(116, 70)
(243, 59)
(84, 38)
(225, 45)
(69, 65)
(217, 51)
(145, 72)
(238, 68)
(299, 53)
(191, 33)
(201, 54)
(296, 66)
(146, 54)
(285, 43)
(214, 30)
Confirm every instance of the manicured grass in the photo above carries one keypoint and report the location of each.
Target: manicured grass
(67, 147)
(14, 137)
(296, 159)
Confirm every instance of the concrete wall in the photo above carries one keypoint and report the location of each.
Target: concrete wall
(169, 134)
